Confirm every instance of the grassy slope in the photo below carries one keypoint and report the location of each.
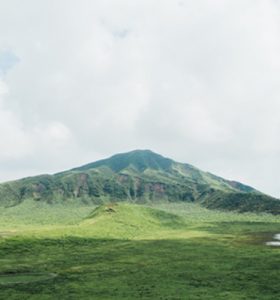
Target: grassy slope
(138, 176)
(181, 251)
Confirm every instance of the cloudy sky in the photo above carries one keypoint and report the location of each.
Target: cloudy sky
(194, 80)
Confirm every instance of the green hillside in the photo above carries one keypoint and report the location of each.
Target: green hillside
(140, 176)
(129, 220)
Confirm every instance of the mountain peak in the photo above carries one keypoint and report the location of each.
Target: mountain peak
(137, 159)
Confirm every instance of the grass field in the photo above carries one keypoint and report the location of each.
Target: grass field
(126, 251)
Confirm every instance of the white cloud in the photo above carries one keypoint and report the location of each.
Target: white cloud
(194, 80)
(29, 144)
(14, 143)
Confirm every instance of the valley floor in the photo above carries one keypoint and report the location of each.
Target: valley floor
(125, 251)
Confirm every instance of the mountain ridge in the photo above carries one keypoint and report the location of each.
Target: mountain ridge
(140, 160)
(138, 176)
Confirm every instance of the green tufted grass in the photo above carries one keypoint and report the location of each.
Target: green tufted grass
(126, 251)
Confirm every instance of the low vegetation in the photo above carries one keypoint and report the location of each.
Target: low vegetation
(128, 251)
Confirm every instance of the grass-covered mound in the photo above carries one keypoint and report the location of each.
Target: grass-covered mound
(130, 220)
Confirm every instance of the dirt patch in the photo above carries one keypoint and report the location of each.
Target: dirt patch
(110, 210)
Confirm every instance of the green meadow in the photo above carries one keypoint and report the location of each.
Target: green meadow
(130, 251)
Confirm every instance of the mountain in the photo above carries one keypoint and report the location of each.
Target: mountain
(138, 176)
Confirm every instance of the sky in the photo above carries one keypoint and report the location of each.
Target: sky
(194, 80)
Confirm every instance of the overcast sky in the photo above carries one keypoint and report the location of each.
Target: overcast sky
(195, 80)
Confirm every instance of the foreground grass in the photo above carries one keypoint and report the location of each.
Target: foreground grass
(138, 253)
